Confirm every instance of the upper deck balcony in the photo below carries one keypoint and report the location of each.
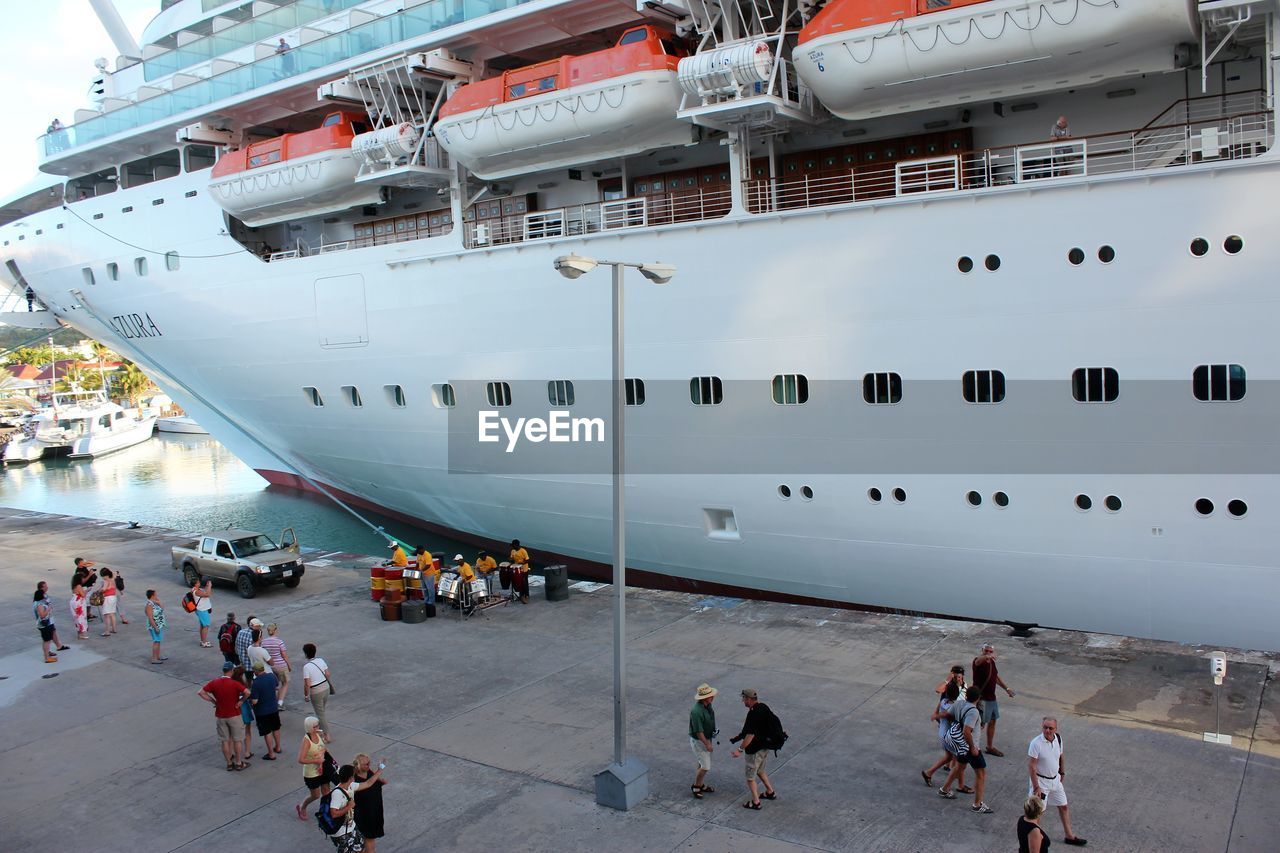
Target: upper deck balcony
(188, 97)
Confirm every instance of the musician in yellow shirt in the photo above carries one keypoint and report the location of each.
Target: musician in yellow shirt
(520, 571)
(430, 574)
(399, 559)
(486, 566)
(463, 568)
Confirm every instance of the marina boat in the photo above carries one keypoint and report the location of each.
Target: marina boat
(971, 316)
(180, 424)
(78, 425)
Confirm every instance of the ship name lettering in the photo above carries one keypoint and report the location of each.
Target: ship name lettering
(132, 326)
(557, 427)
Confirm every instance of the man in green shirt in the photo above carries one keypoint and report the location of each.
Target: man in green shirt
(702, 728)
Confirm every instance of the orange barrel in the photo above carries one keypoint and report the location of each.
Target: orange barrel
(413, 584)
(394, 578)
(390, 611)
(377, 583)
(435, 563)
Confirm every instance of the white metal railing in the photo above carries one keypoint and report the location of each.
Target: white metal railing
(1061, 159)
(934, 174)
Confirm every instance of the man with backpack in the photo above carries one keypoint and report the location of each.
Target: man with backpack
(761, 732)
(227, 640)
(964, 722)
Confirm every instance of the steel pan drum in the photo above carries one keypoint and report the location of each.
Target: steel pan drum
(450, 588)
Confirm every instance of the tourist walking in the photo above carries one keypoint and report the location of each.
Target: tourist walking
(244, 639)
(241, 675)
(266, 709)
(43, 610)
(316, 686)
(155, 625)
(342, 808)
(965, 712)
(202, 594)
(120, 597)
(943, 716)
(987, 677)
(227, 634)
(1046, 767)
(257, 654)
(755, 736)
(369, 781)
(1031, 838)
(311, 755)
(108, 595)
(702, 730)
(79, 603)
(87, 577)
(280, 666)
(226, 694)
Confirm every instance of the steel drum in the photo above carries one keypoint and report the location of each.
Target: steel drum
(479, 591)
(450, 588)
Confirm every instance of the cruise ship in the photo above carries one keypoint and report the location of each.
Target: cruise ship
(970, 313)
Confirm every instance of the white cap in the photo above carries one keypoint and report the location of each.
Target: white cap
(457, 558)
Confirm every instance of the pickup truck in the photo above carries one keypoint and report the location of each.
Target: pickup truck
(247, 559)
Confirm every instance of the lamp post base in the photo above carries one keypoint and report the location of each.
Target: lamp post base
(623, 786)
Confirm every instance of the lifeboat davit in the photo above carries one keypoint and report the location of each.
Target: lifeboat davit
(866, 58)
(569, 111)
(298, 174)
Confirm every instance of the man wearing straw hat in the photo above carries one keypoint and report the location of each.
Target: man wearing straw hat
(702, 728)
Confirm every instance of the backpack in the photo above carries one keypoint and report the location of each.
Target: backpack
(227, 637)
(954, 741)
(328, 823)
(773, 737)
(189, 603)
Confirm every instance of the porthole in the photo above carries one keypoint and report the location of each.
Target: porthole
(1237, 508)
(900, 495)
(1204, 506)
(965, 264)
(992, 262)
(974, 499)
(1112, 503)
(1000, 499)
(1106, 254)
(873, 495)
(784, 492)
(1084, 503)
(1199, 247)
(1076, 256)
(806, 492)
(1232, 245)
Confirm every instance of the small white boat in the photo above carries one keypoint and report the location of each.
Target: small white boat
(182, 424)
(79, 425)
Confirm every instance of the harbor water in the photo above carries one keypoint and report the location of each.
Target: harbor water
(193, 483)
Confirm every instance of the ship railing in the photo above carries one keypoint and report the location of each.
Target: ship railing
(1233, 137)
(624, 213)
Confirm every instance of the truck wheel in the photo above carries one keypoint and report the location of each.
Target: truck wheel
(189, 575)
(292, 583)
(244, 586)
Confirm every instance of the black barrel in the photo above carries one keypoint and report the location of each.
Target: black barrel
(557, 582)
(413, 611)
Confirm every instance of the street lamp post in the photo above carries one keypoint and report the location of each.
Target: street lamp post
(625, 782)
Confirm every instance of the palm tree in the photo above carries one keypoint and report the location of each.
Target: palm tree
(132, 382)
(72, 379)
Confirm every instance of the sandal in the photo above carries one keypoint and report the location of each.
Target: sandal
(770, 795)
(964, 789)
(928, 780)
(241, 766)
(750, 805)
(945, 794)
(707, 789)
(301, 814)
(63, 648)
(268, 757)
(230, 766)
(697, 791)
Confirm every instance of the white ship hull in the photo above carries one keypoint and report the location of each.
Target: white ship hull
(838, 293)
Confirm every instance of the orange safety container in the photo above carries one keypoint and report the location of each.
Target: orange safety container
(394, 578)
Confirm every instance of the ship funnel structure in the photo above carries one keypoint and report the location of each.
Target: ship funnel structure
(116, 29)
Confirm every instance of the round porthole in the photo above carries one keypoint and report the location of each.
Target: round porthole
(965, 264)
(1106, 254)
(1084, 503)
(1237, 508)
(1204, 506)
(1000, 499)
(1233, 244)
(1199, 247)
(1112, 503)
(900, 495)
(784, 492)
(806, 492)
(873, 495)
(974, 499)
(1076, 256)
(992, 262)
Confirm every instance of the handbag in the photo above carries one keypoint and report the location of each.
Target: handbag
(95, 598)
(330, 768)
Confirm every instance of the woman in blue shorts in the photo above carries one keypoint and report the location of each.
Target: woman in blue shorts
(155, 625)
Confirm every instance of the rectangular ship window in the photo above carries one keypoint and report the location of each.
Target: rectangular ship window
(498, 394)
(313, 394)
(790, 389)
(983, 386)
(706, 390)
(635, 392)
(1095, 384)
(442, 396)
(395, 395)
(882, 388)
(560, 392)
(353, 396)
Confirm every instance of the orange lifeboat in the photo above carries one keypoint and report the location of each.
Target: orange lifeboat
(569, 111)
(297, 174)
(865, 58)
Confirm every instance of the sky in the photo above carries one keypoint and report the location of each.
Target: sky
(49, 49)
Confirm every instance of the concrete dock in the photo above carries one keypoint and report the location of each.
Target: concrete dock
(492, 728)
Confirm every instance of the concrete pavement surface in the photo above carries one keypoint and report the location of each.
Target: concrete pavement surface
(492, 728)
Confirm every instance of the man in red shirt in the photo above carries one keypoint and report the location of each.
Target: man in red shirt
(986, 677)
(226, 694)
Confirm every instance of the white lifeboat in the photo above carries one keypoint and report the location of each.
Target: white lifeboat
(297, 174)
(865, 58)
(568, 111)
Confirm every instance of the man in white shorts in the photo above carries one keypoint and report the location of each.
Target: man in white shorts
(1046, 768)
(702, 731)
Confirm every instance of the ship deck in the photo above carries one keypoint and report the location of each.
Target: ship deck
(492, 728)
